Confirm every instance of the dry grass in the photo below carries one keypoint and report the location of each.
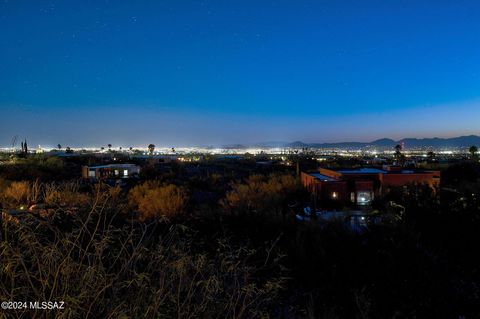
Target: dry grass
(130, 271)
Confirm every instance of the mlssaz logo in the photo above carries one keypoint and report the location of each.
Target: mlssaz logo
(47, 305)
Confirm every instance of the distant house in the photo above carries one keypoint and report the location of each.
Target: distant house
(359, 186)
(110, 171)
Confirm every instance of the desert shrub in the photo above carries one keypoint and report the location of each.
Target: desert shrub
(63, 194)
(53, 163)
(155, 201)
(261, 194)
(44, 168)
(21, 193)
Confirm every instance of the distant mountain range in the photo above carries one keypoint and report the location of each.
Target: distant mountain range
(454, 142)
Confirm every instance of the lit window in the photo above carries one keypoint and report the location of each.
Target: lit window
(125, 172)
(116, 172)
(91, 173)
(334, 195)
(364, 198)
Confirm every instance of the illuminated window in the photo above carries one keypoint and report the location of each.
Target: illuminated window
(116, 172)
(364, 198)
(91, 173)
(334, 195)
(125, 172)
(352, 196)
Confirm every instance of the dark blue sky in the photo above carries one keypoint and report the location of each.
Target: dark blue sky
(213, 72)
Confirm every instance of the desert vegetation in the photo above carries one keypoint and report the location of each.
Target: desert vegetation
(154, 200)
(101, 265)
(221, 241)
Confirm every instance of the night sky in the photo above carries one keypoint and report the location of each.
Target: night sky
(180, 73)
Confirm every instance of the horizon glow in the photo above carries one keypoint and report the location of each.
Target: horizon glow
(212, 73)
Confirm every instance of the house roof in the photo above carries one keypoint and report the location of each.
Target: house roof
(363, 170)
(113, 166)
(324, 178)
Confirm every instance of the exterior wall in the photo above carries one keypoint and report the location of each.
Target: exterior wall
(366, 186)
(85, 171)
(309, 182)
(430, 178)
(340, 189)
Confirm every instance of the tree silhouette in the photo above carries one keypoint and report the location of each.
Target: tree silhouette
(398, 154)
(59, 146)
(25, 147)
(151, 148)
(473, 150)
(109, 147)
(398, 149)
(14, 141)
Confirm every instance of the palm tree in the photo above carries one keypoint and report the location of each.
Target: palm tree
(59, 147)
(473, 150)
(109, 147)
(151, 148)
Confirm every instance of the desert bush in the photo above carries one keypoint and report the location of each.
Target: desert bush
(260, 193)
(53, 163)
(63, 194)
(155, 201)
(21, 193)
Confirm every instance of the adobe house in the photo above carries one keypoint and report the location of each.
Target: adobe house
(359, 186)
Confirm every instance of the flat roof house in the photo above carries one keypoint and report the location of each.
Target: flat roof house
(360, 185)
(110, 171)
